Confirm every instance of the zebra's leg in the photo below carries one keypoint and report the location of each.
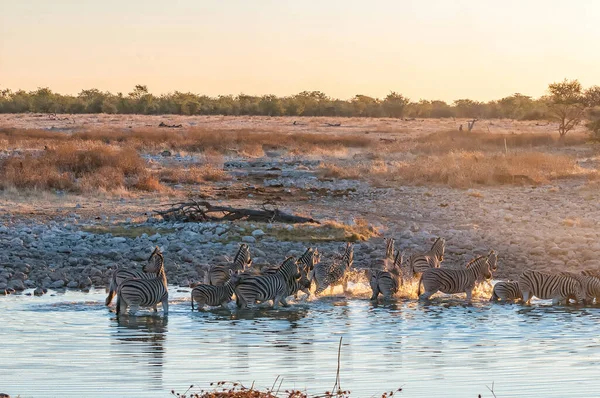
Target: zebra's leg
(165, 305)
(345, 286)
(155, 307)
(330, 290)
(284, 302)
(526, 297)
(122, 306)
(133, 309)
(426, 295)
(469, 296)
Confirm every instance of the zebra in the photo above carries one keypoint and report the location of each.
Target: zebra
(389, 250)
(118, 276)
(216, 295)
(591, 272)
(387, 282)
(336, 273)
(295, 285)
(309, 259)
(453, 281)
(590, 283)
(418, 263)
(271, 286)
(557, 287)
(506, 291)
(145, 292)
(217, 275)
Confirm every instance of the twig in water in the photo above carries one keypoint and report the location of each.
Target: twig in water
(337, 376)
(275, 382)
(279, 387)
(492, 390)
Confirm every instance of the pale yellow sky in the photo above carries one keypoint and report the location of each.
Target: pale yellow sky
(432, 49)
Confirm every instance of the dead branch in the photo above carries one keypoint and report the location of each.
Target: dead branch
(202, 211)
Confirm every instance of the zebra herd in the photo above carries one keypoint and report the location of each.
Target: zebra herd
(250, 285)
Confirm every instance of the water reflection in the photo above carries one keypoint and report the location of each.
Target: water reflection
(140, 342)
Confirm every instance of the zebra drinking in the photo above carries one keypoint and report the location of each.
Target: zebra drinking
(557, 287)
(506, 291)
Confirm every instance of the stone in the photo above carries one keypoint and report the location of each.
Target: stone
(257, 233)
(72, 285)
(118, 240)
(249, 239)
(39, 291)
(58, 284)
(17, 285)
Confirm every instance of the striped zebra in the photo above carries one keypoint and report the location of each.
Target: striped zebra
(336, 273)
(557, 287)
(295, 285)
(591, 272)
(590, 284)
(453, 281)
(418, 263)
(216, 295)
(271, 286)
(217, 275)
(118, 276)
(309, 259)
(506, 291)
(136, 293)
(386, 282)
(389, 249)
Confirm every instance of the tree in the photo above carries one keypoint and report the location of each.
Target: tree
(592, 100)
(566, 104)
(395, 104)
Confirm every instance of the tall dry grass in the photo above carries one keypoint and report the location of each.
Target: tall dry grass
(464, 169)
(452, 140)
(67, 167)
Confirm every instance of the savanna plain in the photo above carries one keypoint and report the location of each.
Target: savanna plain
(81, 195)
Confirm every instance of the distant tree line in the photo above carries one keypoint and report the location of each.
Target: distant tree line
(567, 97)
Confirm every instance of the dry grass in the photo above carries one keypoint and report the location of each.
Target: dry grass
(449, 141)
(246, 141)
(464, 169)
(329, 231)
(66, 167)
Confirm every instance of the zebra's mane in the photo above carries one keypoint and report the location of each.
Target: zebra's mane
(470, 263)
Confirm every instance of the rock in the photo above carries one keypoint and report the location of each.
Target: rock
(16, 242)
(17, 285)
(39, 291)
(249, 239)
(72, 285)
(95, 272)
(58, 284)
(118, 240)
(85, 282)
(3, 292)
(257, 233)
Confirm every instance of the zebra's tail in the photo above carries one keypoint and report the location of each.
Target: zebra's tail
(419, 285)
(111, 292)
(118, 305)
(192, 301)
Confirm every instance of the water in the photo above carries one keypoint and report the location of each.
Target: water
(71, 345)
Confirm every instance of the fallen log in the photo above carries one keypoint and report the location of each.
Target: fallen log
(202, 211)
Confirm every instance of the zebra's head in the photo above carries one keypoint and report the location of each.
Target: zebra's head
(438, 248)
(242, 258)
(481, 266)
(493, 261)
(389, 248)
(348, 256)
(155, 262)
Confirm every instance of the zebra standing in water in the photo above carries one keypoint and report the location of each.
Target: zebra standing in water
(305, 263)
(506, 291)
(336, 273)
(136, 293)
(590, 284)
(418, 263)
(119, 275)
(453, 281)
(217, 275)
(387, 282)
(557, 287)
(268, 287)
(216, 295)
